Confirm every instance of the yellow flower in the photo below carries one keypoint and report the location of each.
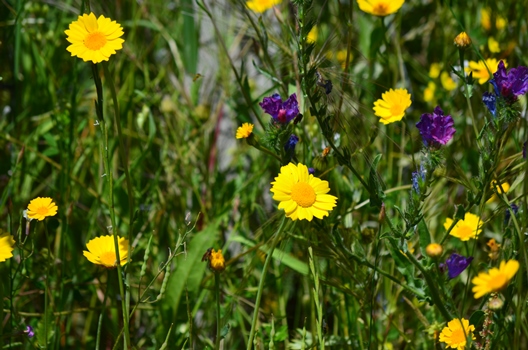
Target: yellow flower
(496, 279)
(260, 6)
(94, 39)
(485, 20)
(493, 45)
(380, 7)
(101, 251)
(302, 195)
(462, 40)
(465, 229)
(456, 332)
(447, 82)
(434, 70)
(392, 105)
(312, 36)
(41, 207)
(7, 244)
(244, 131)
(429, 92)
(434, 250)
(503, 188)
(480, 71)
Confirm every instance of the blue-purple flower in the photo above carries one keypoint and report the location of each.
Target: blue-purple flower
(436, 129)
(291, 143)
(456, 264)
(29, 331)
(507, 85)
(282, 112)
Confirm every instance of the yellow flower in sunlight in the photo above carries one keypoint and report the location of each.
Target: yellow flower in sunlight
(485, 20)
(480, 71)
(496, 279)
(456, 332)
(41, 207)
(447, 82)
(392, 105)
(503, 188)
(101, 251)
(493, 45)
(260, 6)
(312, 36)
(302, 195)
(429, 92)
(7, 244)
(244, 131)
(434, 70)
(465, 229)
(94, 39)
(380, 7)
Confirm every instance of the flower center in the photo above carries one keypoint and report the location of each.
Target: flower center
(42, 211)
(396, 109)
(108, 258)
(94, 41)
(381, 9)
(498, 282)
(281, 117)
(458, 337)
(303, 194)
(465, 231)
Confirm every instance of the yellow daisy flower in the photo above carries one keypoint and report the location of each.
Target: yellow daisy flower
(456, 332)
(495, 279)
(493, 45)
(429, 92)
(244, 131)
(465, 229)
(485, 20)
(216, 261)
(392, 105)
(7, 244)
(480, 71)
(94, 39)
(260, 6)
(380, 7)
(41, 207)
(101, 251)
(302, 195)
(447, 82)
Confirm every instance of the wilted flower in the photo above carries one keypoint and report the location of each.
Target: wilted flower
(392, 105)
(456, 264)
(436, 129)
(494, 249)
(456, 332)
(496, 279)
(282, 112)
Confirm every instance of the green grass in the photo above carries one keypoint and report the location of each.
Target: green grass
(191, 72)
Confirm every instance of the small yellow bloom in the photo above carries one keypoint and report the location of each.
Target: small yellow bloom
(392, 105)
(496, 279)
(447, 82)
(465, 229)
(244, 131)
(101, 251)
(217, 261)
(434, 70)
(493, 45)
(480, 71)
(494, 249)
(260, 6)
(462, 40)
(41, 207)
(302, 195)
(429, 92)
(485, 20)
(503, 188)
(434, 250)
(312, 36)
(7, 244)
(380, 7)
(456, 332)
(94, 39)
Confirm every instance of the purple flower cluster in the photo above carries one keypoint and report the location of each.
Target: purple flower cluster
(507, 85)
(436, 129)
(282, 112)
(456, 264)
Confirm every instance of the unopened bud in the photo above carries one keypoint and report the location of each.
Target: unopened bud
(434, 250)
(462, 40)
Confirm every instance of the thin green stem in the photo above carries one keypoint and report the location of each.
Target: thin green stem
(276, 239)
(101, 315)
(218, 315)
(47, 288)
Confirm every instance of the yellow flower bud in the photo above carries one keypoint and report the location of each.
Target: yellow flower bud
(434, 250)
(462, 40)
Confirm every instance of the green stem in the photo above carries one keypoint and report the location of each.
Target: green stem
(101, 315)
(46, 286)
(276, 239)
(218, 316)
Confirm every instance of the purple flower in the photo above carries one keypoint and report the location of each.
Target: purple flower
(282, 112)
(29, 332)
(490, 100)
(508, 85)
(456, 264)
(311, 171)
(436, 129)
(290, 145)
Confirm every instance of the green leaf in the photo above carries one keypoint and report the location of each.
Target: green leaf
(375, 189)
(476, 318)
(40, 332)
(424, 235)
